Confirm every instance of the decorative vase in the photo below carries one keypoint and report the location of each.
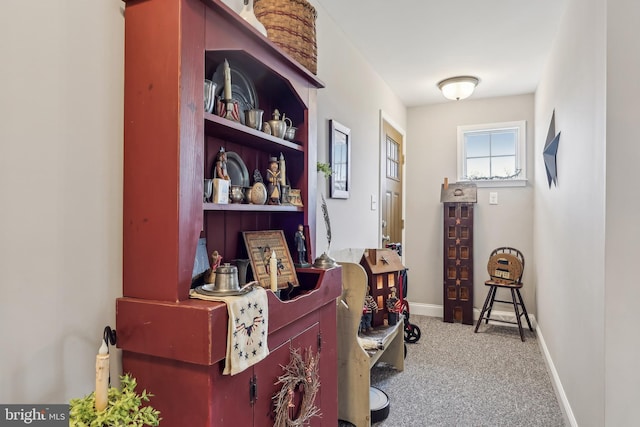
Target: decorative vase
(237, 194)
(247, 14)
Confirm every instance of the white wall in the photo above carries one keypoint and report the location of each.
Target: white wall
(622, 342)
(431, 156)
(569, 219)
(354, 96)
(61, 190)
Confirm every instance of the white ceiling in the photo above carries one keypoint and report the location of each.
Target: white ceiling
(413, 44)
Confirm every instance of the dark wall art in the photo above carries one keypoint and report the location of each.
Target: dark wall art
(550, 152)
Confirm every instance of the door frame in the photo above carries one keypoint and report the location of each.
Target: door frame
(384, 117)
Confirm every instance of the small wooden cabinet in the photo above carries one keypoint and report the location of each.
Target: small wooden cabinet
(458, 201)
(175, 346)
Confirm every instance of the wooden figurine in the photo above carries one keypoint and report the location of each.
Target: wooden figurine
(370, 307)
(301, 247)
(210, 276)
(221, 165)
(221, 179)
(273, 182)
(392, 307)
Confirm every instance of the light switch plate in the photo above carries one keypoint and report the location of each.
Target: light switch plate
(493, 198)
(374, 202)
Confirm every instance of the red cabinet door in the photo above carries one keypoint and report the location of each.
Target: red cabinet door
(268, 371)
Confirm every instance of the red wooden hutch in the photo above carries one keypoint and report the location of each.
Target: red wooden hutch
(173, 345)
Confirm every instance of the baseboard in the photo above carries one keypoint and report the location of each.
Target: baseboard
(570, 419)
(430, 310)
(434, 310)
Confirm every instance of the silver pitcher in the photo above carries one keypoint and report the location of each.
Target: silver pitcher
(278, 127)
(226, 278)
(290, 134)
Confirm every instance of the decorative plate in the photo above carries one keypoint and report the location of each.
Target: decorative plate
(236, 169)
(203, 290)
(242, 89)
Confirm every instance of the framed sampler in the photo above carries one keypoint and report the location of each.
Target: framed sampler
(259, 246)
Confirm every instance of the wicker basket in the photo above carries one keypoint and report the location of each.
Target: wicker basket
(291, 24)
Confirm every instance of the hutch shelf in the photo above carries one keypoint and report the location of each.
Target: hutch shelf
(173, 345)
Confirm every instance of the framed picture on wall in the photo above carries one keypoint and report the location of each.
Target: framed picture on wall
(340, 156)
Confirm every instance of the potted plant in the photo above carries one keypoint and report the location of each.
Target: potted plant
(325, 168)
(124, 408)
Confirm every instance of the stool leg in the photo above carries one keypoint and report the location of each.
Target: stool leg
(493, 297)
(515, 307)
(484, 308)
(524, 309)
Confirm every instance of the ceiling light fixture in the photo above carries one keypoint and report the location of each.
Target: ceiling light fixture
(457, 88)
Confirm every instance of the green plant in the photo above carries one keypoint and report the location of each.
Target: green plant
(124, 408)
(325, 168)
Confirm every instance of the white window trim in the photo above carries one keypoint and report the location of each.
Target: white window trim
(521, 154)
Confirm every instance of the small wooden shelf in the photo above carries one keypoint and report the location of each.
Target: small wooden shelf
(241, 207)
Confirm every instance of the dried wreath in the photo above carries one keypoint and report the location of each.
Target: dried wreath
(298, 374)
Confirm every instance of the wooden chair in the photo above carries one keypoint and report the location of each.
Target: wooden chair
(505, 267)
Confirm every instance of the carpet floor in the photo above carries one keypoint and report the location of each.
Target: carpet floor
(455, 377)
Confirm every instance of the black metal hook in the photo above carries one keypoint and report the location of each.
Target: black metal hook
(109, 336)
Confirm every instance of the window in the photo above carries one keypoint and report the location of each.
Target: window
(493, 154)
(393, 159)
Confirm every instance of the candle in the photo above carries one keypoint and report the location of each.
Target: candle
(102, 377)
(283, 171)
(273, 271)
(227, 81)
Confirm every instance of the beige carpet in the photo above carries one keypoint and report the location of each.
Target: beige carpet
(454, 377)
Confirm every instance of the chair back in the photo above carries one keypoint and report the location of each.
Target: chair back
(506, 265)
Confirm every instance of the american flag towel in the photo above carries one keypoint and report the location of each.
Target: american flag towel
(247, 329)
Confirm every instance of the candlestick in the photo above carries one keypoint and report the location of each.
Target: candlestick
(229, 112)
(273, 271)
(227, 81)
(102, 378)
